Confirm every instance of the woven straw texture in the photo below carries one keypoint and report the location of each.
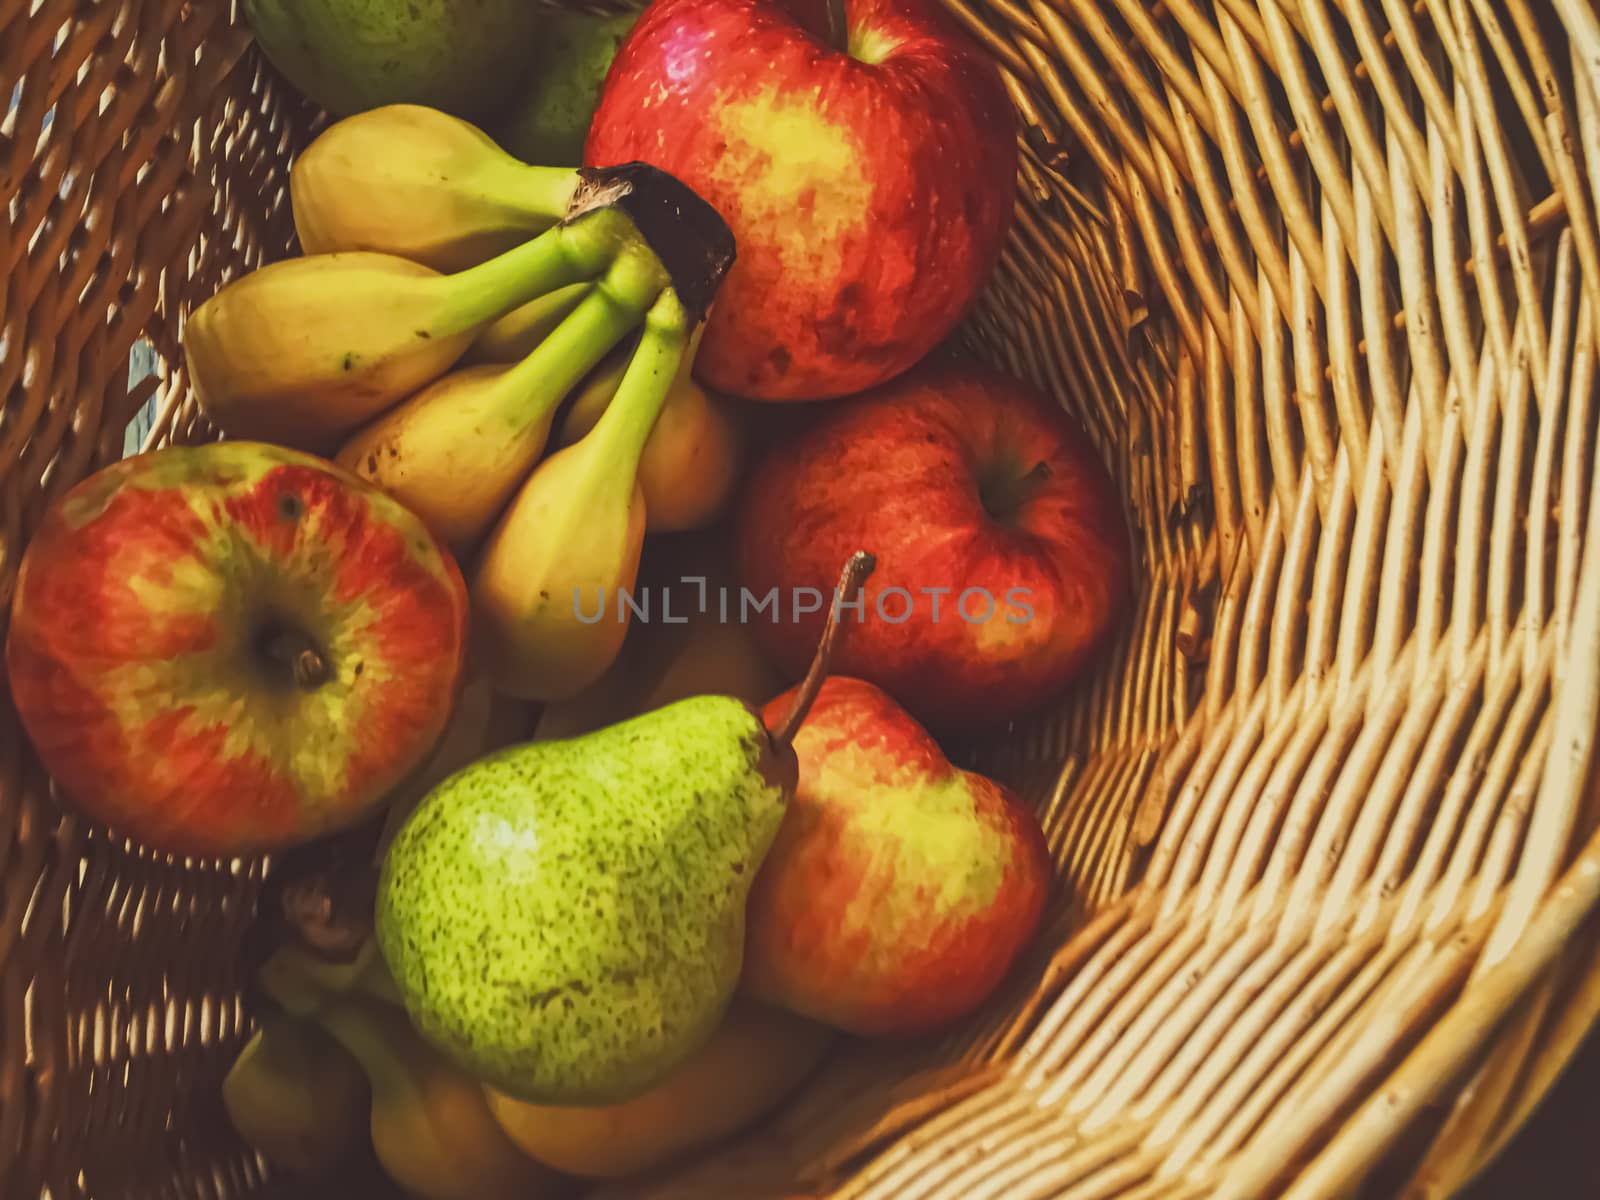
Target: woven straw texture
(1322, 277)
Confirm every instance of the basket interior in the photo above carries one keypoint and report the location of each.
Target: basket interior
(1320, 280)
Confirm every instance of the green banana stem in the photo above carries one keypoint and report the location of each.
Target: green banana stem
(516, 335)
(561, 255)
(611, 309)
(549, 310)
(542, 193)
(652, 370)
(606, 381)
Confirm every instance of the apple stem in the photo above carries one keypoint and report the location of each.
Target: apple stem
(855, 572)
(1005, 497)
(305, 665)
(309, 669)
(838, 27)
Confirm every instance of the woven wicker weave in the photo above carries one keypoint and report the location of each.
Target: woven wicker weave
(1323, 278)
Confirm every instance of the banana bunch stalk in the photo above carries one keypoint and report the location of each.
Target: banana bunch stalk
(452, 302)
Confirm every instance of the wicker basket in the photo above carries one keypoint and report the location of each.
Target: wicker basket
(1323, 278)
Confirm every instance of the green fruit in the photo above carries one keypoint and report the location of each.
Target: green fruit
(353, 55)
(566, 919)
(549, 121)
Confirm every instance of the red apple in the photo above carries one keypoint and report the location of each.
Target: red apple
(1003, 556)
(869, 187)
(233, 648)
(900, 890)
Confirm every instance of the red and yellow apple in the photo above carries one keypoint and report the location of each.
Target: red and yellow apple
(233, 648)
(869, 178)
(1003, 555)
(900, 889)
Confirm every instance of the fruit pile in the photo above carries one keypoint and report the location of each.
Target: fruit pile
(608, 680)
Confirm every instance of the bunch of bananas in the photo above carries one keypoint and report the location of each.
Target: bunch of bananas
(336, 1057)
(501, 348)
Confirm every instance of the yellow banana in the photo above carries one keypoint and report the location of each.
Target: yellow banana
(691, 461)
(410, 180)
(688, 647)
(296, 1096)
(305, 349)
(456, 451)
(572, 535)
(431, 1126)
(757, 1056)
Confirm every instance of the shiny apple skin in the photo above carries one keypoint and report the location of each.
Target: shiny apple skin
(869, 200)
(900, 890)
(134, 648)
(897, 472)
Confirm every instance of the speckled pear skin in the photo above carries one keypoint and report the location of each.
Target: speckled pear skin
(565, 919)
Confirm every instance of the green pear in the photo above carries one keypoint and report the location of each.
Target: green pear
(565, 919)
(350, 56)
(549, 121)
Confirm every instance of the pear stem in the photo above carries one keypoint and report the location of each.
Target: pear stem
(855, 573)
